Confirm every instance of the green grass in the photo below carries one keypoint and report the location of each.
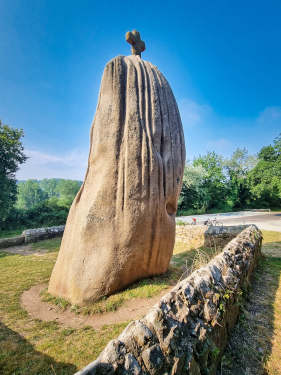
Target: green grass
(182, 263)
(146, 288)
(30, 346)
(50, 245)
(10, 233)
(272, 362)
(180, 222)
(203, 211)
(255, 344)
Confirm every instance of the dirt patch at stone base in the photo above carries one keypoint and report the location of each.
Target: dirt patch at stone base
(133, 309)
(24, 250)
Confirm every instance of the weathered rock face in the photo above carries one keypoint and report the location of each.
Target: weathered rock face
(121, 226)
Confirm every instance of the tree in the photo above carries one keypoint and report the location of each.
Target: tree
(11, 156)
(49, 185)
(193, 196)
(237, 170)
(265, 178)
(30, 194)
(67, 190)
(214, 182)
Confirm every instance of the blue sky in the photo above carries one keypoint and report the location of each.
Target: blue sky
(221, 58)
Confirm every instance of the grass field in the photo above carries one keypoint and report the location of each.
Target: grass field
(255, 345)
(34, 347)
(10, 233)
(31, 346)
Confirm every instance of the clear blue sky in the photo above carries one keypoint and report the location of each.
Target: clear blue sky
(222, 59)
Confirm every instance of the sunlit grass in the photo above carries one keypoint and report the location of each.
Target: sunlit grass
(270, 236)
(31, 346)
(183, 262)
(272, 250)
(255, 343)
(50, 245)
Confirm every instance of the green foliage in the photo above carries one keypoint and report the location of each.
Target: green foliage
(67, 190)
(11, 156)
(42, 203)
(30, 195)
(214, 184)
(214, 181)
(49, 185)
(210, 184)
(237, 170)
(265, 178)
(47, 213)
(10, 233)
(204, 185)
(57, 191)
(193, 195)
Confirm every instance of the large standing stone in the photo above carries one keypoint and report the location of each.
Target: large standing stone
(121, 225)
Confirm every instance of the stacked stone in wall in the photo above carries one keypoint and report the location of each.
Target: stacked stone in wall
(13, 241)
(34, 235)
(193, 236)
(187, 331)
(196, 236)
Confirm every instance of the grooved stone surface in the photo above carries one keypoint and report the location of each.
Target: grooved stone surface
(121, 226)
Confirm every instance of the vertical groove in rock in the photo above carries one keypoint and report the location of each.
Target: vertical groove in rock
(121, 226)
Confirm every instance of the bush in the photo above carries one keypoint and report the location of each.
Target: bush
(44, 214)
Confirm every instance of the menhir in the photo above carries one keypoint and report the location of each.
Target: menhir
(121, 225)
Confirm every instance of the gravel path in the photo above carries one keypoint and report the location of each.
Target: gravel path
(266, 220)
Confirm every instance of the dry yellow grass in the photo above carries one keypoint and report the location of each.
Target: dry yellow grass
(269, 237)
(255, 345)
(273, 364)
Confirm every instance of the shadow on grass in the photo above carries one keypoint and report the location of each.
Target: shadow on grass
(250, 343)
(18, 357)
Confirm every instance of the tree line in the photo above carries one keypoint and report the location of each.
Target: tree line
(56, 191)
(30, 203)
(213, 183)
(210, 183)
(41, 203)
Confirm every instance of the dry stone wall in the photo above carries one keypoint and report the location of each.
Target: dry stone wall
(13, 241)
(32, 235)
(187, 331)
(195, 236)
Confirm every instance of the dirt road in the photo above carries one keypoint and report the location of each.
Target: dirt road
(268, 221)
(265, 220)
